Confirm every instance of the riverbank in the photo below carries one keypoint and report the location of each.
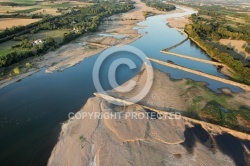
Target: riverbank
(226, 70)
(79, 49)
(179, 23)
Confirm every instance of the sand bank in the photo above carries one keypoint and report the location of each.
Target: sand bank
(146, 141)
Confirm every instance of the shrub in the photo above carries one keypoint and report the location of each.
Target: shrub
(16, 71)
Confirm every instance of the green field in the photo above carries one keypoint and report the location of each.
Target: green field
(56, 34)
(6, 46)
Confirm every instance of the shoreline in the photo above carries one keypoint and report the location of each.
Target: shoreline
(226, 70)
(74, 52)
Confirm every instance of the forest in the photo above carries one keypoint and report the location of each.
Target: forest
(159, 5)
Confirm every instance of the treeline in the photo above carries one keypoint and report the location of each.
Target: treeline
(159, 5)
(216, 28)
(223, 57)
(17, 4)
(85, 20)
(17, 15)
(25, 50)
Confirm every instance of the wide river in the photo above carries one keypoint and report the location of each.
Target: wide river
(32, 109)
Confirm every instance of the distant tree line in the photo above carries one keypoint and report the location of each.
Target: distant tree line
(159, 5)
(17, 15)
(216, 28)
(17, 4)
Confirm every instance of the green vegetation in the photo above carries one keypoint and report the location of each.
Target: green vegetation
(57, 5)
(215, 108)
(247, 49)
(18, 3)
(147, 14)
(28, 65)
(26, 11)
(210, 25)
(230, 118)
(16, 71)
(86, 19)
(57, 35)
(6, 47)
(159, 5)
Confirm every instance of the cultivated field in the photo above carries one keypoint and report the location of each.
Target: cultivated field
(237, 45)
(40, 7)
(33, 7)
(10, 22)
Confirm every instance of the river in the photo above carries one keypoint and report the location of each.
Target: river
(33, 108)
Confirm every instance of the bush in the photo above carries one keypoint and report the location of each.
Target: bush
(16, 71)
(28, 65)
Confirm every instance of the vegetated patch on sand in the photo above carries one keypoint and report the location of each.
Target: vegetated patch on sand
(10, 22)
(237, 45)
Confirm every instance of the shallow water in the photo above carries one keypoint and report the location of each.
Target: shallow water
(33, 108)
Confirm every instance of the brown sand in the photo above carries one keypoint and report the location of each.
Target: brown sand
(179, 22)
(134, 141)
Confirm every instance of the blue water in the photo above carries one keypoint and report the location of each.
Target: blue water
(32, 109)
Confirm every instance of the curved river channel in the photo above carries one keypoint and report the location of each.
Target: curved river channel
(32, 109)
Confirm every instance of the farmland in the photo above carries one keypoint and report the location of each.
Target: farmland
(53, 31)
(33, 7)
(10, 22)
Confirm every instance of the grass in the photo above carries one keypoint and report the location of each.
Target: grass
(56, 34)
(6, 46)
